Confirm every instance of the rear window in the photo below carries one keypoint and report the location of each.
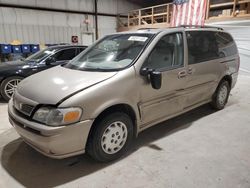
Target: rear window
(207, 45)
(226, 44)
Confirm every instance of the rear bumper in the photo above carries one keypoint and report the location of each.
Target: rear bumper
(234, 79)
(54, 142)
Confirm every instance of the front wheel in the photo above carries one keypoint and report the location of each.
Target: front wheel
(8, 86)
(110, 137)
(221, 95)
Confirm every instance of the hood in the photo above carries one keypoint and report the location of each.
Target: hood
(52, 85)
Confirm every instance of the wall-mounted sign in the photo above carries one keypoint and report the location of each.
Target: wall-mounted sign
(74, 39)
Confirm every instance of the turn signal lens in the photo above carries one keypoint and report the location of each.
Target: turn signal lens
(71, 116)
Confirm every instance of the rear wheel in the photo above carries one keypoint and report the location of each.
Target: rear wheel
(110, 137)
(8, 86)
(221, 95)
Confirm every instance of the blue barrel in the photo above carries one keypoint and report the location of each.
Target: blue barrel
(35, 48)
(5, 49)
(25, 48)
(16, 49)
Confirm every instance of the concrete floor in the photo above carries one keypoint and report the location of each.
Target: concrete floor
(202, 148)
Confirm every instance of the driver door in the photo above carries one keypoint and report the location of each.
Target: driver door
(166, 57)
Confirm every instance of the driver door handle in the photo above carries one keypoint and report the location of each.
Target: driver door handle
(182, 74)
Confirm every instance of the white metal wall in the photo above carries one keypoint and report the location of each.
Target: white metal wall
(31, 26)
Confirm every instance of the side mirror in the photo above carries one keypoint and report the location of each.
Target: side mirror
(50, 60)
(155, 79)
(145, 71)
(154, 76)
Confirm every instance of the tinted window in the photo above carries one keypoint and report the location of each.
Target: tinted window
(79, 50)
(202, 46)
(168, 53)
(67, 54)
(226, 45)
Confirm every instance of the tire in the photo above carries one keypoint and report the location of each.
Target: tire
(111, 137)
(8, 86)
(221, 95)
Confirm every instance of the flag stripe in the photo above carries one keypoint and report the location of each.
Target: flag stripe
(195, 12)
(199, 10)
(172, 24)
(190, 12)
(183, 14)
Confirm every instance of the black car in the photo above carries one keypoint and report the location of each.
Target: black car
(11, 73)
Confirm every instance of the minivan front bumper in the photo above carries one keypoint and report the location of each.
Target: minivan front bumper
(54, 142)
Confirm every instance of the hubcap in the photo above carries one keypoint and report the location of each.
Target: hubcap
(114, 137)
(222, 97)
(11, 86)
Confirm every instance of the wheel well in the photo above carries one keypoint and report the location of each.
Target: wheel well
(116, 108)
(1, 81)
(4, 78)
(229, 79)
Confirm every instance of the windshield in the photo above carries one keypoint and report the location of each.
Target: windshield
(112, 52)
(38, 56)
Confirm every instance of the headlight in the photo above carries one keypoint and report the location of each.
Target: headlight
(57, 116)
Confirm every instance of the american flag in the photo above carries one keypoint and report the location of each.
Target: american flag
(188, 12)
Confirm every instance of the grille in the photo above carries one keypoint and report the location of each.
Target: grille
(27, 109)
(23, 108)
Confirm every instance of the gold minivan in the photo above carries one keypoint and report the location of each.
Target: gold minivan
(124, 83)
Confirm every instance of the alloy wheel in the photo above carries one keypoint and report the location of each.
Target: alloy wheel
(11, 86)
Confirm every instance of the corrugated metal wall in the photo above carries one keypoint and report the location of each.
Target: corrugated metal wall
(31, 26)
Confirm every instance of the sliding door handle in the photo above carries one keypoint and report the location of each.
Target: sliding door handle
(182, 74)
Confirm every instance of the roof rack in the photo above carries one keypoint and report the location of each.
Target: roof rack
(185, 26)
(147, 28)
(200, 26)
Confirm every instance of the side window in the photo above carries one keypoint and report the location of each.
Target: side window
(67, 54)
(79, 50)
(202, 46)
(226, 44)
(167, 53)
